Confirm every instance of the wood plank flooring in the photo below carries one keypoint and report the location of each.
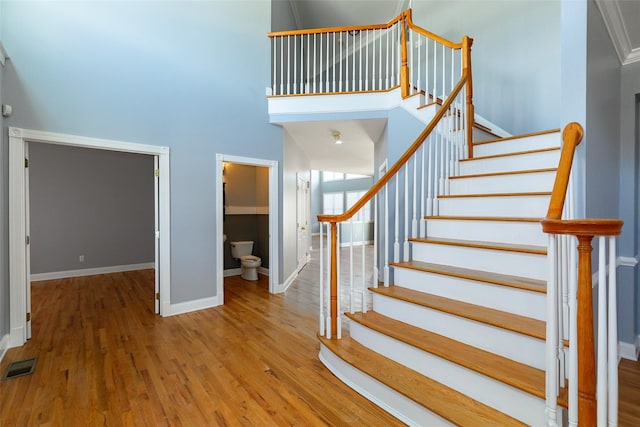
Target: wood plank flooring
(104, 358)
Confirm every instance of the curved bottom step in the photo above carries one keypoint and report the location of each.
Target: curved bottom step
(404, 393)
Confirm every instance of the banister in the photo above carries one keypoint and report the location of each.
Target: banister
(571, 136)
(400, 162)
(432, 36)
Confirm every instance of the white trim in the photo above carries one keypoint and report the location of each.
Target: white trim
(232, 272)
(18, 139)
(90, 271)
(629, 351)
(274, 230)
(627, 261)
(263, 271)
(247, 210)
(281, 288)
(195, 305)
(618, 33)
(4, 346)
(3, 54)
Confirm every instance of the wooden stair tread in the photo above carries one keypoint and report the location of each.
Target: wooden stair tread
(515, 153)
(524, 135)
(500, 319)
(481, 218)
(509, 247)
(519, 172)
(477, 275)
(458, 196)
(523, 377)
(436, 397)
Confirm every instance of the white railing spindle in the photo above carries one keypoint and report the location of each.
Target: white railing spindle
(612, 343)
(405, 249)
(321, 319)
(375, 242)
(602, 345)
(352, 290)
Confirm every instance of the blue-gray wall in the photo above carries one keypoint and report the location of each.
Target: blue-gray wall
(4, 208)
(187, 75)
(94, 203)
(515, 56)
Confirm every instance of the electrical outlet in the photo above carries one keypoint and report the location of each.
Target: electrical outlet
(81, 258)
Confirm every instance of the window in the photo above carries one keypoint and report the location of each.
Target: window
(333, 203)
(364, 214)
(332, 176)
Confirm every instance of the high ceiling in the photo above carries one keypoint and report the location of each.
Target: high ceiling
(622, 18)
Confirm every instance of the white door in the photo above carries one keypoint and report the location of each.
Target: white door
(156, 237)
(303, 199)
(27, 249)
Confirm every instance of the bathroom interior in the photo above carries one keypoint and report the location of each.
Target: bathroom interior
(246, 220)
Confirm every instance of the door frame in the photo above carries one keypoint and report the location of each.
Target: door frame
(306, 202)
(274, 234)
(18, 211)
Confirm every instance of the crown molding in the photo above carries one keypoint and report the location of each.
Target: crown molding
(610, 11)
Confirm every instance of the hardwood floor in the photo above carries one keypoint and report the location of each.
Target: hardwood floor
(104, 358)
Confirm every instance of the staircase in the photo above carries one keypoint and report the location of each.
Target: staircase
(459, 336)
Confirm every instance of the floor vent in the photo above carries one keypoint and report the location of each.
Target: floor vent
(17, 369)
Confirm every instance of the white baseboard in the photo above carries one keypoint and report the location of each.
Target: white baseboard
(90, 271)
(628, 350)
(264, 271)
(195, 305)
(282, 287)
(232, 272)
(4, 346)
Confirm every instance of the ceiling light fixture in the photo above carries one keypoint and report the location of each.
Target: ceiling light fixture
(337, 137)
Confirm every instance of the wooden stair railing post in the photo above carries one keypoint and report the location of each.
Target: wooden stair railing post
(404, 69)
(467, 42)
(587, 409)
(334, 280)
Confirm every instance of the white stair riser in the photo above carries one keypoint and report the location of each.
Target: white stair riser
(536, 142)
(523, 233)
(520, 264)
(515, 183)
(506, 206)
(507, 399)
(521, 348)
(504, 298)
(401, 407)
(540, 160)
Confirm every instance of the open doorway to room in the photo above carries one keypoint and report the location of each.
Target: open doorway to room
(64, 248)
(247, 220)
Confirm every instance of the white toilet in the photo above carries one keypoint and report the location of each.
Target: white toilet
(242, 251)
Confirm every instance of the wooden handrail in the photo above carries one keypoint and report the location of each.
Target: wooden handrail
(571, 136)
(584, 230)
(400, 162)
(338, 29)
(429, 34)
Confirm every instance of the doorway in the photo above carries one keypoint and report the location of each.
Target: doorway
(19, 268)
(274, 234)
(303, 199)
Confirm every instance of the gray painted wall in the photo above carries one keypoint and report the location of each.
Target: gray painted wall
(4, 207)
(515, 56)
(178, 74)
(88, 202)
(295, 163)
(629, 201)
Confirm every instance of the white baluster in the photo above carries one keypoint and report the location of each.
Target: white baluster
(308, 56)
(418, 75)
(380, 79)
(396, 211)
(275, 69)
(447, 153)
(441, 159)
(353, 73)
(432, 201)
(410, 60)
(405, 250)
(444, 75)
(327, 88)
(386, 235)
(386, 76)
(375, 242)
(315, 50)
(422, 192)
(288, 65)
(451, 84)
(602, 347)
(334, 62)
(328, 293)
(360, 64)
(613, 336)
(341, 43)
(295, 65)
(426, 69)
(282, 66)
(362, 272)
(352, 290)
(435, 72)
(339, 315)
(551, 338)
(414, 222)
(573, 337)
(366, 68)
(321, 317)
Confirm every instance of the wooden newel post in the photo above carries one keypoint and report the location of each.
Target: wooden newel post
(467, 42)
(333, 292)
(587, 408)
(404, 68)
